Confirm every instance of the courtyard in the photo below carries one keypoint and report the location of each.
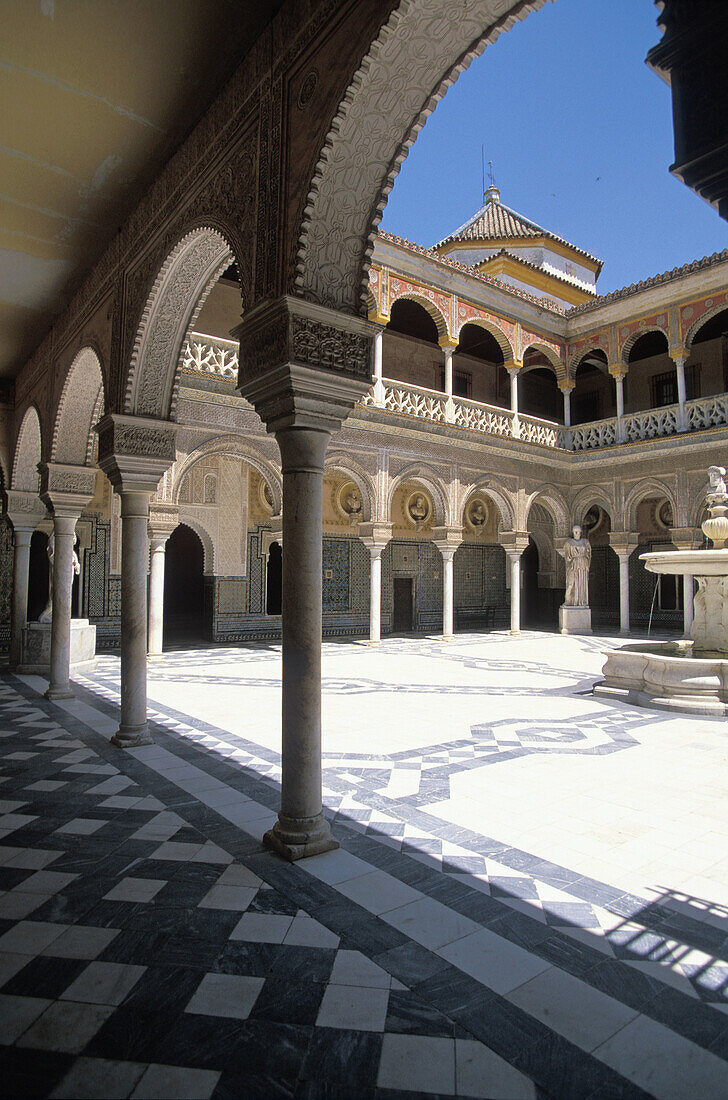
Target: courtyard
(529, 898)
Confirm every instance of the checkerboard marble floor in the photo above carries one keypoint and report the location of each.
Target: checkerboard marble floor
(530, 898)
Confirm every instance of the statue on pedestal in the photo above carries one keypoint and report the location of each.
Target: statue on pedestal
(577, 554)
(46, 614)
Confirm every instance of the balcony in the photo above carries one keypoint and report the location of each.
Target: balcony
(210, 355)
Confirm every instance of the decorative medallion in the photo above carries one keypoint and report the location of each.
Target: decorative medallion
(349, 502)
(417, 509)
(308, 87)
(476, 514)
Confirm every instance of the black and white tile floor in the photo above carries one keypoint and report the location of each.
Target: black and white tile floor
(149, 947)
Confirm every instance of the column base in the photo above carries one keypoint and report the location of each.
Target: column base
(447, 638)
(515, 633)
(295, 838)
(58, 692)
(155, 656)
(131, 738)
(375, 643)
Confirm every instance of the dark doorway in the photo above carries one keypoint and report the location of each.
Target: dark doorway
(530, 609)
(184, 587)
(402, 620)
(38, 576)
(274, 580)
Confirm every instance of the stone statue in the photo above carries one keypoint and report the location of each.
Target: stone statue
(46, 614)
(352, 505)
(717, 492)
(577, 554)
(418, 509)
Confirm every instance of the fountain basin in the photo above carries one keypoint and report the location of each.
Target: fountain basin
(706, 563)
(666, 676)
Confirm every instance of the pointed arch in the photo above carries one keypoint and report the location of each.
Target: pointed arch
(647, 487)
(79, 410)
(185, 278)
(343, 464)
(418, 53)
(427, 477)
(495, 331)
(28, 453)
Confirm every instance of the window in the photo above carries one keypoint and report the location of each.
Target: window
(462, 382)
(663, 388)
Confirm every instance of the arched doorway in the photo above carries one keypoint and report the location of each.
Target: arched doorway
(38, 585)
(274, 580)
(531, 612)
(184, 614)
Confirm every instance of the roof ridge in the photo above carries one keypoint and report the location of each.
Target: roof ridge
(536, 267)
(652, 280)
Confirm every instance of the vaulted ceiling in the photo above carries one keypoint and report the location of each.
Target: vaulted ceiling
(96, 95)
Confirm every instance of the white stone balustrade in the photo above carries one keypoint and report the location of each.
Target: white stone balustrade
(211, 355)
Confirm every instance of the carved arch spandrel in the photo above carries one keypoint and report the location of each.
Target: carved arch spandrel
(234, 447)
(417, 55)
(80, 408)
(28, 453)
(418, 472)
(647, 487)
(555, 503)
(343, 464)
(506, 507)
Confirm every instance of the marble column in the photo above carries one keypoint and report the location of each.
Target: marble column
(65, 490)
(162, 521)
(566, 391)
(378, 367)
(447, 540)
(623, 556)
(618, 376)
(514, 561)
(134, 453)
(679, 361)
(302, 389)
(301, 828)
(64, 533)
(449, 404)
(688, 603)
(19, 609)
(513, 374)
(375, 537)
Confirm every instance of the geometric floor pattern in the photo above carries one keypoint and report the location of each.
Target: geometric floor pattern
(150, 947)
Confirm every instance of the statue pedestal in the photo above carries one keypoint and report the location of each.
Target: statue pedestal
(574, 620)
(36, 656)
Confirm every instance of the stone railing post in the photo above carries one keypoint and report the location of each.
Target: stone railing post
(623, 543)
(514, 543)
(447, 540)
(375, 537)
(303, 367)
(25, 511)
(134, 453)
(65, 490)
(163, 518)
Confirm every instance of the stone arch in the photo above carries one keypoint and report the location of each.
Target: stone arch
(208, 543)
(495, 331)
(430, 481)
(698, 507)
(554, 362)
(236, 447)
(586, 497)
(418, 53)
(372, 305)
(344, 465)
(28, 453)
(696, 326)
(648, 487)
(638, 334)
(505, 508)
(578, 358)
(431, 309)
(554, 503)
(182, 284)
(79, 410)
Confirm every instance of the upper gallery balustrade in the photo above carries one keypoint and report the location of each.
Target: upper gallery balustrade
(215, 356)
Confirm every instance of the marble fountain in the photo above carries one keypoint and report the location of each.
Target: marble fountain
(689, 675)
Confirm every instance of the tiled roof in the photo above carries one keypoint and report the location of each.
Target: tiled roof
(495, 221)
(543, 303)
(560, 278)
(654, 280)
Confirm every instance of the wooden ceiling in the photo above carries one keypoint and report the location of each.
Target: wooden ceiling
(96, 95)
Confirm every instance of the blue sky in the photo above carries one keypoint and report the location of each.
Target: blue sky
(580, 134)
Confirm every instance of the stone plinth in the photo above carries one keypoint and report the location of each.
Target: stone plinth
(574, 620)
(36, 654)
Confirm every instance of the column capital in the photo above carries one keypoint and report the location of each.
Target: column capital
(447, 539)
(624, 542)
(684, 538)
(375, 536)
(66, 490)
(513, 366)
(135, 451)
(566, 385)
(163, 519)
(24, 510)
(679, 352)
(379, 320)
(514, 542)
(448, 344)
(618, 370)
(303, 365)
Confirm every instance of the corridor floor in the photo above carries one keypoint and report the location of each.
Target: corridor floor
(530, 899)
